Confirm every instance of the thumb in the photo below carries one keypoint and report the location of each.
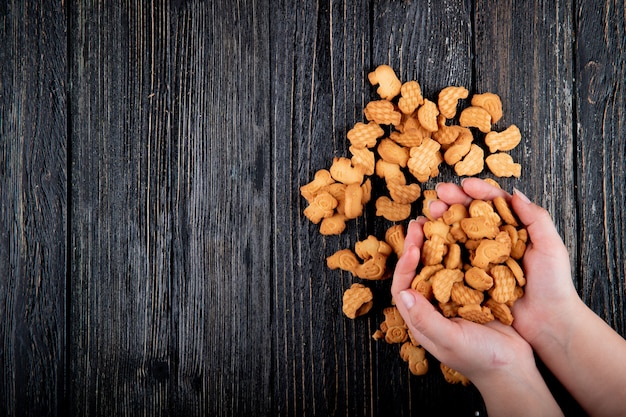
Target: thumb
(432, 330)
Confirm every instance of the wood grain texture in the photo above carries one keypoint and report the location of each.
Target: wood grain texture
(159, 147)
(170, 191)
(33, 182)
(320, 56)
(524, 54)
(601, 149)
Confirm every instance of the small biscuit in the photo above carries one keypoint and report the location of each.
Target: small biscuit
(388, 83)
(333, 225)
(453, 377)
(452, 259)
(322, 206)
(393, 326)
(353, 201)
(442, 282)
(504, 283)
(409, 138)
(404, 193)
(455, 213)
(517, 271)
(427, 115)
(464, 295)
(449, 98)
(490, 102)
(502, 165)
(517, 251)
(461, 147)
(364, 159)
(365, 135)
(390, 172)
(423, 159)
(411, 97)
(343, 171)
(392, 152)
(321, 179)
(476, 313)
(343, 259)
(391, 210)
(436, 227)
(382, 112)
(416, 357)
(478, 208)
(503, 141)
(433, 250)
(478, 279)
(500, 311)
(357, 301)
(480, 227)
(395, 236)
(490, 251)
(396, 334)
(446, 135)
(476, 117)
(367, 191)
(504, 210)
(373, 269)
(472, 163)
(370, 247)
(449, 309)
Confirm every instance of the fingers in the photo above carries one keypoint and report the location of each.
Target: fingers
(472, 188)
(452, 194)
(538, 222)
(404, 272)
(431, 329)
(415, 233)
(479, 189)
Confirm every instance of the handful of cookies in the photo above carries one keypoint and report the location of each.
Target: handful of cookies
(470, 261)
(470, 258)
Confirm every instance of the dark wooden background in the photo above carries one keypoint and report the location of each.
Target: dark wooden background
(153, 255)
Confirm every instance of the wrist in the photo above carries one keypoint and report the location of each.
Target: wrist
(516, 391)
(553, 327)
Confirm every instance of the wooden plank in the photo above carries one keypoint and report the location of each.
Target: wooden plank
(33, 213)
(334, 367)
(319, 56)
(171, 266)
(430, 43)
(121, 313)
(222, 261)
(601, 120)
(524, 54)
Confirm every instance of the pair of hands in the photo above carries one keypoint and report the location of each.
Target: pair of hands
(493, 352)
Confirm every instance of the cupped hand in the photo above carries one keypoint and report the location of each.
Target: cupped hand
(477, 351)
(549, 289)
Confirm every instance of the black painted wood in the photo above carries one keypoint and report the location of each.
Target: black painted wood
(155, 255)
(33, 213)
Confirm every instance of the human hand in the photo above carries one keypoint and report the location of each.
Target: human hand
(549, 290)
(493, 356)
(482, 353)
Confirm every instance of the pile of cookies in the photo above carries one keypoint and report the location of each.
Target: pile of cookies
(470, 256)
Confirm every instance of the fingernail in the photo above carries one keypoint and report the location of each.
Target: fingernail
(462, 181)
(407, 299)
(437, 186)
(521, 195)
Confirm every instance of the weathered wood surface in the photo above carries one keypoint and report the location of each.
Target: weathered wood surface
(154, 254)
(33, 212)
